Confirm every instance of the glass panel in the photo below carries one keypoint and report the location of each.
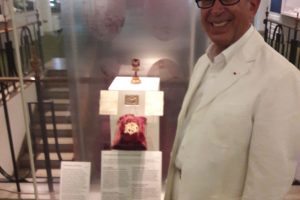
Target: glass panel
(100, 39)
(102, 36)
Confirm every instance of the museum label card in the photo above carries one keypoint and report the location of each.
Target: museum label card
(108, 104)
(131, 175)
(75, 180)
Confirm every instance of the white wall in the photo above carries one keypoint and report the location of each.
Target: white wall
(261, 15)
(45, 14)
(50, 22)
(282, 19)
(17, 127)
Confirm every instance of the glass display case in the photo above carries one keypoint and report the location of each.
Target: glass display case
(99, 38)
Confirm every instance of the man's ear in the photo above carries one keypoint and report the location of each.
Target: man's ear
(254, 5)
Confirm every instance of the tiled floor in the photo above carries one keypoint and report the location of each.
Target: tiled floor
(8, 191)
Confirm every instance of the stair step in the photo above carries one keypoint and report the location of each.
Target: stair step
(50, 133)
(57, 93)
(63, 130)
(59, 89)
(63, 126)
(52, 148)
(42, 173)
(61, 116)
(65, 144)
(54, 156)
(40, 160)
(61, 101)
(61, 83)
(55, 162)
(59, 126)
(59, 104)
(61, 140)
(56, 73)
(58, 113)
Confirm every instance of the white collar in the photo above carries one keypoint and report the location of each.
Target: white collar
(230, 51)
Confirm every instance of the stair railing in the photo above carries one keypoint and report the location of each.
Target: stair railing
(283, 38)
(16, 77)
(41, 108)
(35, 64)
(50, 104)
(10, 138)
(7, 56)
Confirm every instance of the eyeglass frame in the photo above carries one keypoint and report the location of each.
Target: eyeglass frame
(213, 3)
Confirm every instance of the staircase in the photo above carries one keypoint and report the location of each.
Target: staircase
(58, 93)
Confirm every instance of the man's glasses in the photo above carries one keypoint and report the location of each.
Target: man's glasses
(209, 3)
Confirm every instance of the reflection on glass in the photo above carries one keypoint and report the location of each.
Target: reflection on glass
(105, 18)
(24, 5)
(55, 6)
(101, 38)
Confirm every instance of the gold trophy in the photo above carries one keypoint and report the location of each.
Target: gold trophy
(135, 63)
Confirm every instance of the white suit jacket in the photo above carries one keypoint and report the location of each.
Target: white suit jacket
(246, 129)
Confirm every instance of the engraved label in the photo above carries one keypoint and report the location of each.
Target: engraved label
(131, 100)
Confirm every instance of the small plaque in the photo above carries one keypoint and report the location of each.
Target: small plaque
(131, 100)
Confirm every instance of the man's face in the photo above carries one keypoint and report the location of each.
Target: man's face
(226, 24)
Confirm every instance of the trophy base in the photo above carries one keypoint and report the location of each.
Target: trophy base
(135, 80)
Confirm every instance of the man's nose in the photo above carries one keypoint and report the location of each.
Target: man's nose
(218, 7)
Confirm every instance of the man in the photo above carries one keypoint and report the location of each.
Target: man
(238, 129)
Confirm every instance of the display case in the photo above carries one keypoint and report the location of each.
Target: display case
(143, 99)
(128, 171)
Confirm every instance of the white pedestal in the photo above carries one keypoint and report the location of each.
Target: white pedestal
(142, 99)
(123, 83)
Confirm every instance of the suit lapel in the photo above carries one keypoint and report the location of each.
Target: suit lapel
(239, 65)
(197, 76)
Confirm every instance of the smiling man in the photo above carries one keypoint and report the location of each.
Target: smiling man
(238, 131)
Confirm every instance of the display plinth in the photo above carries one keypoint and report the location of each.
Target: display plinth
(143, 99)
(131, 175)
(123, 83)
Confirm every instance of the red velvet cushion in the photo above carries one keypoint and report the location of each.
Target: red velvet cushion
(130, 134)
